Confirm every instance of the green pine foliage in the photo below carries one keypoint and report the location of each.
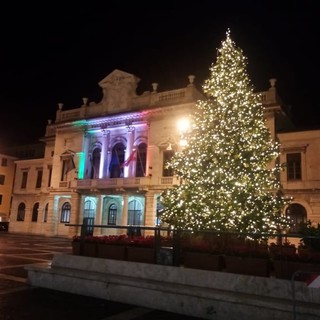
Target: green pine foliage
(228, 170)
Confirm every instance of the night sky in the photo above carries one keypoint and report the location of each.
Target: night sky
(55, 52)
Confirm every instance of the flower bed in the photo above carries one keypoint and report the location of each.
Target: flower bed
(209, 252)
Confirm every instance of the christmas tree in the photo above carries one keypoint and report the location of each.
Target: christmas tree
(228, 170)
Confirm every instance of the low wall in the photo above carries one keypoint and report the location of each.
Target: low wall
(198, 293)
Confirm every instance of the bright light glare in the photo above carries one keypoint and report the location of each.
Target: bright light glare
(183, 125)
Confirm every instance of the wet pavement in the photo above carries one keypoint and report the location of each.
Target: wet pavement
(19, 301)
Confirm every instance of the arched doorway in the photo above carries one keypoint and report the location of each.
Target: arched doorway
(298, 216)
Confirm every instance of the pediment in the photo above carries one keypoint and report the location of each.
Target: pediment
(118, 88)
(67, 154)
(118, 78)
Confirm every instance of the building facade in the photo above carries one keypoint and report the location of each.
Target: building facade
(7, 172)
(105, 162)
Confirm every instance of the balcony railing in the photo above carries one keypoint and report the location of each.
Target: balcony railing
(136, 182)
(133, 182)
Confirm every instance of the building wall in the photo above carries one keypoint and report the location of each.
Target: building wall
(7, 171)
(305, 190)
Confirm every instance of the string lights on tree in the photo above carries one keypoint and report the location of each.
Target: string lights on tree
(228, 168)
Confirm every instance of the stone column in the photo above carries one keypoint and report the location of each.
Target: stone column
(129, 169)
(74, 215)
(150, 210)
(124, 220)
(98, 218)
(104, 165)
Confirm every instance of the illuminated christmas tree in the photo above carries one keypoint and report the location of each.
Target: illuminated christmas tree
(228, 170)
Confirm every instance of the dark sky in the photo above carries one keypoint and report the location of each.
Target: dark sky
(58, 52)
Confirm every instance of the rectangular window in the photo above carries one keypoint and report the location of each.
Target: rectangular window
(2, 179)
(24, 179)
(49, 176)
(4, 162)
(39, 179)
(294, 166)
(0, 198)
(166, 170)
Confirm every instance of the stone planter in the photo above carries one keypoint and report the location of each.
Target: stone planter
(284, 269)
(75, 248)
(278, 251)
(109, 251)
(247, 266)
(90, 249)
(202, 260)
(141, 254)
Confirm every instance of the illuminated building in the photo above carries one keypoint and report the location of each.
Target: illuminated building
(107, 160)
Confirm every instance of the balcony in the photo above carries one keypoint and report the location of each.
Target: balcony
(122, 183)
(112, 183)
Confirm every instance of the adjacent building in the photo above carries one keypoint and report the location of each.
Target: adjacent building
(105, 162)
(7, 172)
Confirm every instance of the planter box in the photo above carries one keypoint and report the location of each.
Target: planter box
(89, 249)
(278, 251)
(248, 266)
(109, 251)
(140, 254)
(75, 248)
(205, 261)
(285, 269)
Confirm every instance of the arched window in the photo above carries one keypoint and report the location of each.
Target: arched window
(45, 215)
(89, 209)
(65, 213)
(134, 213)
(298, 216)
(95, 163)
(35, 210)
(21, 212)
(112, 215)
(117, 159)
(141, 160)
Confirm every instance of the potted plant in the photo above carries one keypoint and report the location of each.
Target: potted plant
(202, 252)
(87, 247)
(141, 249)
(248, 257)
(112, 247)
(282, 248)
(306, 258)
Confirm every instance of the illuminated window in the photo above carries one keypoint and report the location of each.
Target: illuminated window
(117, 159)
(95, 163)
(167, 156)
(45, 215)
(134, 213)
(89, 209)
(49, 175)
(21, 212)
(65, 212)
(39, 179)
(112, 215)
(160, 208)
(35, 211)
(67, 166)
(24, 179)
(298, 216)
(141, 160)
(294, 166)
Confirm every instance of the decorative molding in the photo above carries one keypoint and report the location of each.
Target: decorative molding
(291, 149)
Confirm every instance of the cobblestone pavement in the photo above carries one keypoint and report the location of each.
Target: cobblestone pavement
(19, 301)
